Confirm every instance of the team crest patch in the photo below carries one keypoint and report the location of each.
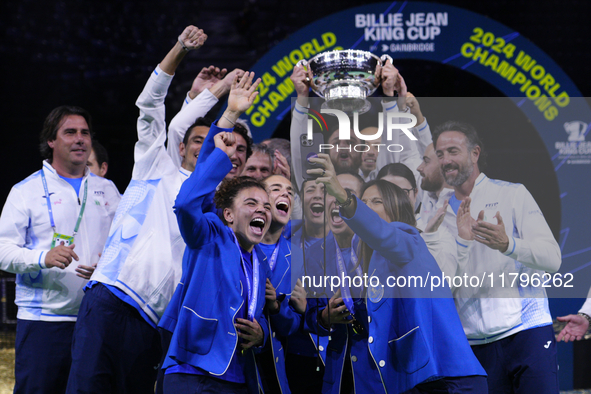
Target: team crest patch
(375, 293)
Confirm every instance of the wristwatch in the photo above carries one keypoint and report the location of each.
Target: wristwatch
(348, 201)
(586, 316)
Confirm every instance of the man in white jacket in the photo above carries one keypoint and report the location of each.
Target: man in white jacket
(507, 323)
(53, 226)
(116, 345)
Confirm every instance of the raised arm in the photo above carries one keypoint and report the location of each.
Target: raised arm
(151, 124)
(300, 79)
(210, 86)
(196, 228)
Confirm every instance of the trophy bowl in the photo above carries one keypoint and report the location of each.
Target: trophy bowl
(345, 78)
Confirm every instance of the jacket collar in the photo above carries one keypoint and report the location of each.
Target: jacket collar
(51, 172)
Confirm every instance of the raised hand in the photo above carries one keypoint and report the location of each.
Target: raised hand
(415, 108)
(223, 86)
(327, 176)
(388, 75)
(226, 142)
(491, 235)
(243, 92)
(192, 38)
(206, 78)
(301, 80)
(465, 221)
(281, 165)
(437, 219)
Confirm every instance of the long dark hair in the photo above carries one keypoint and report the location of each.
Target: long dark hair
(398, 208)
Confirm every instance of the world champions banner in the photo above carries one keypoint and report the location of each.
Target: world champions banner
(473, 43)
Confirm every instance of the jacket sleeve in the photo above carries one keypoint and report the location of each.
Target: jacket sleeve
(534, 245)
(149, 153)
(179, 125)
(287, 321)
(586, 308)
(195, 226)
(396, 241)
(14, 227)
(297, 127)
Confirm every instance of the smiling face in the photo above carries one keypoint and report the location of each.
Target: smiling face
(280, 197)
(72, 144)
(336, 223)
(456, 159)
(313, 204)
(258, 166)
(238, 159)
(373, 199)
(190, 152)
(342, 159)
(369, 158)
(249, 216)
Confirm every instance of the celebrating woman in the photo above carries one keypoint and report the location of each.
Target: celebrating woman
(408, 338)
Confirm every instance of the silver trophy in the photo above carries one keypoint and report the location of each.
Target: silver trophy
(345, 78)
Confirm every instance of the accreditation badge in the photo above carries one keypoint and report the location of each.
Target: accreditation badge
(61, 239)
(375, 293)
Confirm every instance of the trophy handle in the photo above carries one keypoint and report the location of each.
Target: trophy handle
(385, 58)
(302, 62)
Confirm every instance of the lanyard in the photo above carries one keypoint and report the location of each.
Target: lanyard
(342, 272)
(273, 260)
(50, 210)
(253, 289)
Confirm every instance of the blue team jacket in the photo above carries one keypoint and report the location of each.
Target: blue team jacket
(210, 294)
(410, 338)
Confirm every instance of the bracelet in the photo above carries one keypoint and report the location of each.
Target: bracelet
(224, 116)
(183, 45)
(586, 316)
(347, 202)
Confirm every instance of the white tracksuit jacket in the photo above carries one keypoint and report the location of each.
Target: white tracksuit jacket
(53, 294)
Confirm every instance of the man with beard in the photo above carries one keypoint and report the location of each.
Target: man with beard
(432, 184)
(509, 328)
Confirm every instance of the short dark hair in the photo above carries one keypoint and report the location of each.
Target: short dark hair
(100, 153)
(265, 150)
(398, 169)
(354, 175)
(229, 189)
(280, 144)
(241, 129)
(206, 122)
(53, 122)
(471, 135)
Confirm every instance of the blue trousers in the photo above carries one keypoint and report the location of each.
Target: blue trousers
(176, 383)
(459, 385)
(43, 357)
(522, 363)
(114, 350)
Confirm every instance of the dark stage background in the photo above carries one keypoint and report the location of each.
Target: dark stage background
(99, 54)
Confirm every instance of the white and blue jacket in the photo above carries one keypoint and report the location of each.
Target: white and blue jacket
(53, 294)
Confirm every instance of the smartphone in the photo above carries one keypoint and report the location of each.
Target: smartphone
(309, 149)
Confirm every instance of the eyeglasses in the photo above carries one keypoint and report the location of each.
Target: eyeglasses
(407, 191)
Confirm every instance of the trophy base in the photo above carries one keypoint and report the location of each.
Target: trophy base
(348, 98)
(348, 106)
